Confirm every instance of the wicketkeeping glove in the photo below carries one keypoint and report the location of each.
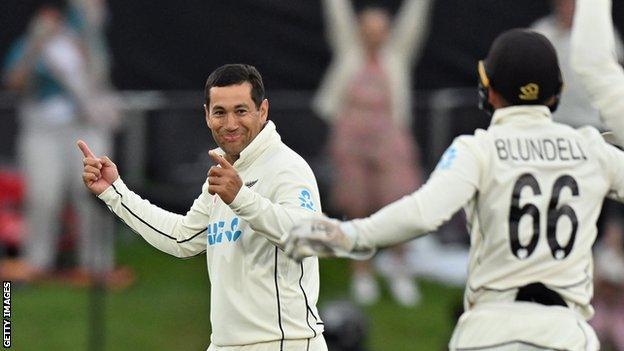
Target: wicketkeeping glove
(323, 237)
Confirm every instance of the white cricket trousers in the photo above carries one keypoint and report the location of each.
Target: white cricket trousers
(52, 166)
(522, 326)
(512, 347)
(313, 344)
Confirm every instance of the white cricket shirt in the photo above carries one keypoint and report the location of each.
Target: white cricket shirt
(533, 190)
(257, 293)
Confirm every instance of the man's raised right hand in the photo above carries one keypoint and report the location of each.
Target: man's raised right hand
(99, 172)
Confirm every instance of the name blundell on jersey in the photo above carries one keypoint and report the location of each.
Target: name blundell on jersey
(542, 149)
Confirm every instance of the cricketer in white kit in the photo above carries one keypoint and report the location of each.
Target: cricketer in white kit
(260, 299)
(532, 190)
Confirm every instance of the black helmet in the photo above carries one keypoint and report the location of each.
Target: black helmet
(522, 66)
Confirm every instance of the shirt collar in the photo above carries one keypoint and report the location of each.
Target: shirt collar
(531, 112)
(268, 136)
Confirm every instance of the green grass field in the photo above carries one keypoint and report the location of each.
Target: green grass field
(168, 309)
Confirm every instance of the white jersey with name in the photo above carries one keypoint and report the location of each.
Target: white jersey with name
(258, 294)
(532, 189)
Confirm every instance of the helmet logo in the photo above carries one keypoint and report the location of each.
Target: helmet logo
(529, 92)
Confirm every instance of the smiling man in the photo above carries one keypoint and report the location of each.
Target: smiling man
(260, 299)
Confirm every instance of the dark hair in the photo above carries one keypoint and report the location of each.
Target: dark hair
(60, 5)
(235, 74)
(371, 7)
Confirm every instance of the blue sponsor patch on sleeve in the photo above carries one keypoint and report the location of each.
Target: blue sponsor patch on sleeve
(447, 159)
(305, 200)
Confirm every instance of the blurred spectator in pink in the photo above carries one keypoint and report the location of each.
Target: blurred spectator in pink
(61, 68)
(366, 98)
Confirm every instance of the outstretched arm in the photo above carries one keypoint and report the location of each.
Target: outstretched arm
(594, 60)
(451, 186)
(180, 236)
(411, 28)
(342, 34)
(340, 24)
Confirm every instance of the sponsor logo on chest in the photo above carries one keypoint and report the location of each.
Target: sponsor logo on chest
(220, 232)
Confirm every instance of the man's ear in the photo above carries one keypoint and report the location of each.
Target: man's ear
(496, 99)
(264, 110)
(492, 96)
(207, 116)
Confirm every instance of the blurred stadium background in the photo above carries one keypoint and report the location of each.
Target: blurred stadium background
(162, 52)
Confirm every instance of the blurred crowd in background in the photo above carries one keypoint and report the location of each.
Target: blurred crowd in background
(370, 92)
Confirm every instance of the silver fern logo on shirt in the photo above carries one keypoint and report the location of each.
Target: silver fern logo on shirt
(448, 158)
(217, 233)
(305, 198)
(251, 183)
